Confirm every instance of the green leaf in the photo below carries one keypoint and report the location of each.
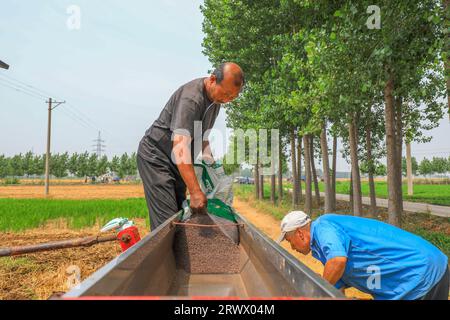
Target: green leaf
(436, 19)
(338, 13)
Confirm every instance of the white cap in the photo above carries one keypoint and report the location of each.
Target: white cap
(292, 221)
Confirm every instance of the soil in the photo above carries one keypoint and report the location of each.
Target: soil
(107, 191)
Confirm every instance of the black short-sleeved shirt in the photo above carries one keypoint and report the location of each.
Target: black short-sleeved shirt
(187, 105)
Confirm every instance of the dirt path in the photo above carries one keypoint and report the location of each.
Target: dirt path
(271, 227)
(97, 191)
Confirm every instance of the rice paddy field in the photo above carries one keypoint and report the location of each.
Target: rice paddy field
(428, 193)
(438, 194)
(21, 214)
(25, 206)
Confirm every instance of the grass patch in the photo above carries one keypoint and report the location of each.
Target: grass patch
(428, 193)
(440, 240)
(12, 264)
(246, 192)
(21, 214)
(10, 181)
(438, 194)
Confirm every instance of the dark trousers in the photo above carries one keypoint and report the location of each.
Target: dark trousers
(164, 188)
(440, 289)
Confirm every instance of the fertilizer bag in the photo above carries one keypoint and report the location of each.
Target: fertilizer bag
(217, 187)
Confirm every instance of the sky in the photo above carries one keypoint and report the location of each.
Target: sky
(115, 73)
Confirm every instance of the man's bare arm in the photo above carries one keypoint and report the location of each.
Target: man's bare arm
(183, 160)
(207, 154)
(334, 269)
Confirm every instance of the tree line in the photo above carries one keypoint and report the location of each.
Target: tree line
(64, 164)
(374, 77)
(437, 165)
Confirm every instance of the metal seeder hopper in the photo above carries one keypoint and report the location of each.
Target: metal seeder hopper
(186, 260)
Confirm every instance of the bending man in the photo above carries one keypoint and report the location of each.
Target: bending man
(374, 257)
(167, 150)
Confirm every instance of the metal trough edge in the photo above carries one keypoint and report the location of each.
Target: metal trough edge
(282, 260)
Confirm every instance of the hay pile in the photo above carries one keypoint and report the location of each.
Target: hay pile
(39, 275)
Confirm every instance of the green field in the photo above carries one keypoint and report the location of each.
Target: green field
(21, 214)
(427, 193)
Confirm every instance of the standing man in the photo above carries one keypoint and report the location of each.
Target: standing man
(372, 256)
(168, 149)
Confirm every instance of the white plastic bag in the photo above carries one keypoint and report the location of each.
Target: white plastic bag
(214, 182)
(216, 185)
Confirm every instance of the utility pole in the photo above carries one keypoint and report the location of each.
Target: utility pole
(4, 65)
(49, 133)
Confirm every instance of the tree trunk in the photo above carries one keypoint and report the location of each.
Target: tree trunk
(399, 144)
(314, 172)
(280, 173)
(394, 196)
(399, 140)
(333, 176)
(295, 201)
(446, 4)
(373, 198)
(351, 192)
(356, 178)
(308, 189)
(261, 184)
(326, 169)
(256, 177)
(447, 71)
(409, 174)
(299, 167)
(272, 189)
(273, 185)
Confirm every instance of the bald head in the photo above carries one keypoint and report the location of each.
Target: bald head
(230, 71)
(225, 82)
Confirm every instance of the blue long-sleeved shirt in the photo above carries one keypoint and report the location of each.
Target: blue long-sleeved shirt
(382, 260)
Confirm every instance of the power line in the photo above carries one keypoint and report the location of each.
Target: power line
(80, 120)
(71, 111)
(45, 93)
(72, 117)
(23, 87)
(74, 113)
(83, 117)
(22, 91)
